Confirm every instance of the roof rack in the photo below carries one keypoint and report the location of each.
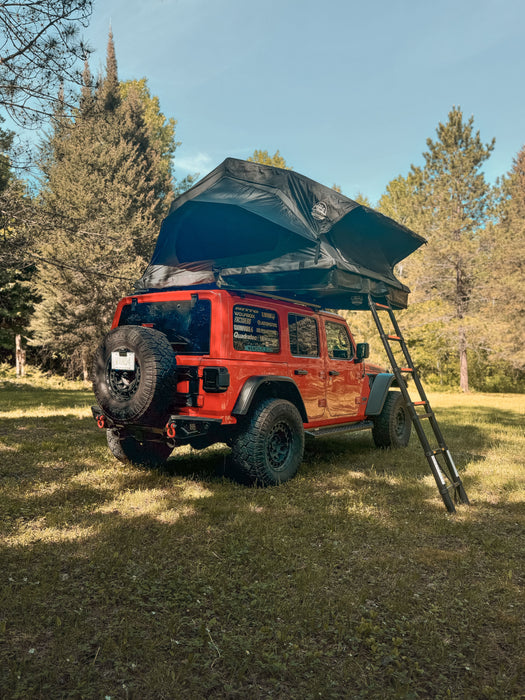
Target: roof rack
(272, 296)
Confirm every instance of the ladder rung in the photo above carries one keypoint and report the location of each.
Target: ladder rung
(382, 306)
(419, 403)
(433, 453)
(406, 369)
(424, 415)
(394, 337)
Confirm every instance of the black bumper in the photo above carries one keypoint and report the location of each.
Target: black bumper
(180, 428)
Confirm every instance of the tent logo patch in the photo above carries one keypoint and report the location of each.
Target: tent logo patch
(319, 211)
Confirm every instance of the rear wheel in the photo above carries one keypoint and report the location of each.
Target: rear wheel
(269, 446)
(392, 427)
(145, 453)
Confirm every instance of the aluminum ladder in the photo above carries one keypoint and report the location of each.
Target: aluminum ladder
(439, 458)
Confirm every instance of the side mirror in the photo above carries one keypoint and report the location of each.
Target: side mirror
(362, 352)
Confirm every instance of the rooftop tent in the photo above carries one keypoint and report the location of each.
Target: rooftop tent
(257, 228)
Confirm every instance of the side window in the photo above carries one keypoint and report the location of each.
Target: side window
(304, 339)
(255, 329)
(338, 341)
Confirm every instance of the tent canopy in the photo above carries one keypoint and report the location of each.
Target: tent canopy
(254, 227)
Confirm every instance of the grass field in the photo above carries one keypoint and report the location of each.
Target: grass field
(351, 581)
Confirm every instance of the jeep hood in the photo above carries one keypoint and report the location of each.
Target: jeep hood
(258, 228)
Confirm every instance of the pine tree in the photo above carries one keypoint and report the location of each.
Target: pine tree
(16, 297)
(448, 201)
(106, 193)
(109, 93)
(506, 282)
(161, 130)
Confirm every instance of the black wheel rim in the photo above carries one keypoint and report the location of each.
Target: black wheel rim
(123, 384)
(279, 445)
(400, 422)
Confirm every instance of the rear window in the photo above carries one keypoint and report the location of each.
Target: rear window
(255, 329)
(185, 323)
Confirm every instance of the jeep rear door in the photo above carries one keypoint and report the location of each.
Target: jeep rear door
(307, 364)
(344, 377)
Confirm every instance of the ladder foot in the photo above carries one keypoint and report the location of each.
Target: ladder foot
(447, 500)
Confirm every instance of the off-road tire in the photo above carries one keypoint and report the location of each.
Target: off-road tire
(130, 451)
(142, 396)
(393, 425)
(268, 447)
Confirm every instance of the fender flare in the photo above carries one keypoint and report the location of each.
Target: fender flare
(253, 384)
(378, 393)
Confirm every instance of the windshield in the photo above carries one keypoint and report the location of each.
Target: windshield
(185, 323)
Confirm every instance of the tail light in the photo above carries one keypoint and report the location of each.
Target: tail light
(215, 379)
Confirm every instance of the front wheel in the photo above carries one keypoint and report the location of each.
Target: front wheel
(393, 425)
(269, 446)
(146, 453)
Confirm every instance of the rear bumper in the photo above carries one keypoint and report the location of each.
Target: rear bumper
(183, 428)
(179, 428)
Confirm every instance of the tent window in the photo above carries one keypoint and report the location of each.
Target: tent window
(218, 231)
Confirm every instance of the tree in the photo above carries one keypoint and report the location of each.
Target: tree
(448, 200)
(12, 238)
(505, 289)
(161, 130)
(361, 198)
(106, 190)
(16, 297)
(16, 306)
(277, 161)
(39, 49)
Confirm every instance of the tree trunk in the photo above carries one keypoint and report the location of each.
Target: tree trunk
(462, 307)
(463, 363)
(85, 371)
(20, 356)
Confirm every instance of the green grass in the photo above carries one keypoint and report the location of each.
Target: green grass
(351, 581)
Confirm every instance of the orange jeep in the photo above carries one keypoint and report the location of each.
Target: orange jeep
(257, 372)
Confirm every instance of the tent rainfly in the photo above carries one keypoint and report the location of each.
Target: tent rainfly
(252, 227)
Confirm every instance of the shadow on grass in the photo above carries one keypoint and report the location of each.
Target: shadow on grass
(43, 452)
(210, 465)
(478, 421)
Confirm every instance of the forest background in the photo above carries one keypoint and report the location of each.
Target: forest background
(74, 238)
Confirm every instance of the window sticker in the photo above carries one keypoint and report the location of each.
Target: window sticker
(255, 329)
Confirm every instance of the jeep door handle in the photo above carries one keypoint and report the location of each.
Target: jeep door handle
(300, 371)
(333, 373)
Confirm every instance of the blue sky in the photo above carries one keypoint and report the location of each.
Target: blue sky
(347, 91)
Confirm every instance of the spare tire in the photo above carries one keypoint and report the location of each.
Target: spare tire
(142, 394)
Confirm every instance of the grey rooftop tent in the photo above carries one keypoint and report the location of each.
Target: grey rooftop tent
(252, 227)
